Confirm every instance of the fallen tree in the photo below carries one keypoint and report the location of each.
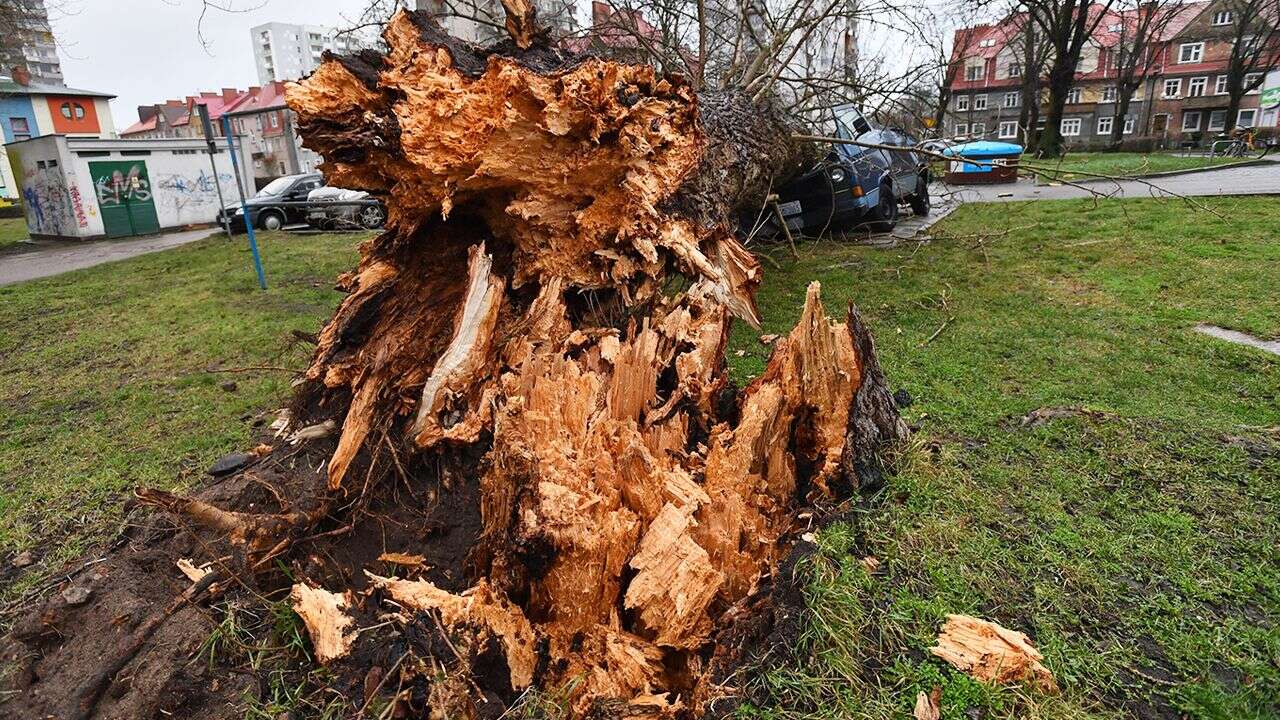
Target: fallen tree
(517, 460)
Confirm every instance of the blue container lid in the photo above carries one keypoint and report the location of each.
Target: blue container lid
(983, 148)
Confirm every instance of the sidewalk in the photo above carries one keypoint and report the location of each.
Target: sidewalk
(1252, 179)
(53, 258)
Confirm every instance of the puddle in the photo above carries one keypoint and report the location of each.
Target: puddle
(1235, 336)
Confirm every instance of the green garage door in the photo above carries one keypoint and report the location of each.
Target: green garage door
(124, 197)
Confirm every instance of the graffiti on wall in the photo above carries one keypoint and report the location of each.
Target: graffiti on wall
(117, 188)
(77, 204)
(191, 191)
(48, 200)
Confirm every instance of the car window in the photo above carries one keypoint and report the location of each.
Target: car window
(276, 187)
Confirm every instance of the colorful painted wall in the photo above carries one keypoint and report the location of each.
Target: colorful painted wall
(13, 107)
(73, 114)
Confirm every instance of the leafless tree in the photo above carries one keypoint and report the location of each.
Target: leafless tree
(1135, 51)
(1254, 35)
(1067, 25)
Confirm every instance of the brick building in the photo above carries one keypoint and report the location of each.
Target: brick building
(1182, 101)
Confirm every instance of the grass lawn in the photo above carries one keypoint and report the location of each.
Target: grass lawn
(105, 383)
(1077, 166)
(12, 231)
(1137, 545)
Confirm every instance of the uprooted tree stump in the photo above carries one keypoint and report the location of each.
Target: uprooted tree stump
(540, 475)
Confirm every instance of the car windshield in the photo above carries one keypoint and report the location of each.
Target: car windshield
(276, 187)
(850, 125)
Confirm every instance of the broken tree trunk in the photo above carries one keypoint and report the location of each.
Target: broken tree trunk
(544, 323)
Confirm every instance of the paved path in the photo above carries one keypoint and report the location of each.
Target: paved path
(53, 258)
(1251, 180)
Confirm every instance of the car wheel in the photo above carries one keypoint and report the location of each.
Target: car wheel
(920, 204)
(372, 217)
(885, 215)
(270, 220)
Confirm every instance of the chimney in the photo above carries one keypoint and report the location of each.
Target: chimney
(21, 75)
(229, 94)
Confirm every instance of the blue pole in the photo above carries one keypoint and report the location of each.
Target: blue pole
(244, 207)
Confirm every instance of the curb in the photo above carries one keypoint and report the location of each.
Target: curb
(1171, 173)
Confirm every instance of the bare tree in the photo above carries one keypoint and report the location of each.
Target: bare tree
(1135, 51)
(1067, 25)
(1254, 35)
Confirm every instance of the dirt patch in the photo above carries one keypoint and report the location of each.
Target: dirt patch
(1045, 415)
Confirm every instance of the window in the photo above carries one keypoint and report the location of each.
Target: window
(979, 102)
(973, 72)
(978, 129)
(962, 128)
(1191, 120)
(1190, 52)
(1014, 70)
(1115, 27)
(1222, 17)
(1012, 100)
(1129, 122)
(1109, 94)
(1008, 129)
(1195, 86)
(1249, 81)
(1172, 88)
(21, 130)
(987, 43)
(962, 102)
(1220, 85)
(1245, 118)
(1070, 127)
(1105, 124)
(1073, 96)
(1217, 120)
(275, 120)
(71, 111)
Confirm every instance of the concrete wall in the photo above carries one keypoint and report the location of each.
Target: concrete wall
(63, 198)
(55, 204)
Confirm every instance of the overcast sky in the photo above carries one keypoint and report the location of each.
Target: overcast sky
(146, 51)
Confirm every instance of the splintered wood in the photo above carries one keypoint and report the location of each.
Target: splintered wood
(991, 653)
(553, 296)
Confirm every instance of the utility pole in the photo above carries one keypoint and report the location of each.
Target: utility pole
(203, 111)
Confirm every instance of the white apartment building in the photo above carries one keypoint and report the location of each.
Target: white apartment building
(284, 51)
(34, 46)
(455, 16)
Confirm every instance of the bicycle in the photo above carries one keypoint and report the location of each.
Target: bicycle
(1238, 146)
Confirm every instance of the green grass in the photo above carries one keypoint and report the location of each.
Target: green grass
(1138, 547)
(1079, 165)
(105, 382)
(12, 232)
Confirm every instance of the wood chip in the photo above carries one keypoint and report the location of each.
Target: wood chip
(768, 339)
(401, 559)
(871, 564)
(323, 613)
(991, 653)
(927, 707)
(193, 573)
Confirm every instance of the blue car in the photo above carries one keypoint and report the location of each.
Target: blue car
(855, 184)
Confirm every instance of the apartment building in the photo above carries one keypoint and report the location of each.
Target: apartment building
(1183, 100)
(28, 43)
(456, 16)
(284, 51)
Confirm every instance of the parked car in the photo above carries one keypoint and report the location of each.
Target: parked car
(855, 183)
(281, 202)
(336, 208)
